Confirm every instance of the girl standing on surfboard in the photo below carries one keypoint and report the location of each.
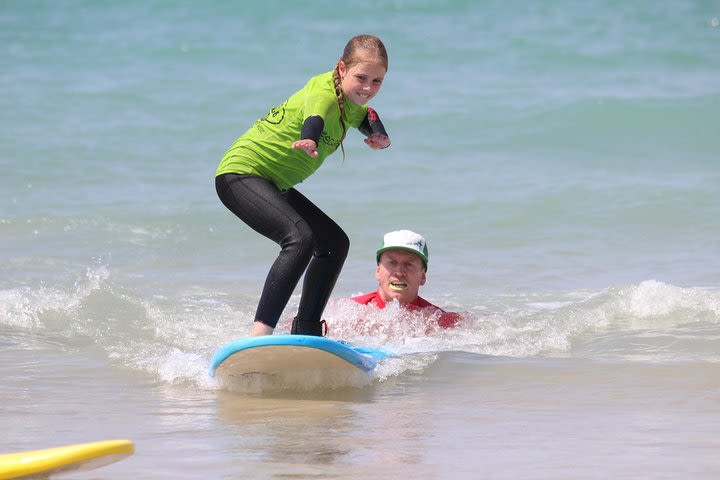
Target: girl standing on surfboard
(257, 175)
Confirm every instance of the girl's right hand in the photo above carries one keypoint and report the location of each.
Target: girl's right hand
(308, 145)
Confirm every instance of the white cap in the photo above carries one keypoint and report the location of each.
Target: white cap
(405, 240)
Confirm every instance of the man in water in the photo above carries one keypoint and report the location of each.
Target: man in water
(402, 262)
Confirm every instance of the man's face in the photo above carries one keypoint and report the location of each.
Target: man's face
(400, 275)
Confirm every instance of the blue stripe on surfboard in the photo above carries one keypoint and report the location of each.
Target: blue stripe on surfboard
(363, 358)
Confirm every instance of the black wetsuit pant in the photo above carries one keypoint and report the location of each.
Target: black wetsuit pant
(309, 240)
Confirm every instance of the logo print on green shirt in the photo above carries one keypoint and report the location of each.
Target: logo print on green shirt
(326, 139)
(276, 115)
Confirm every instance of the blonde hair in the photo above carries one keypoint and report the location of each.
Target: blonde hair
(359, 48)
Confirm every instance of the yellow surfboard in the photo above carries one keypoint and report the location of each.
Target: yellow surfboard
(70, 458)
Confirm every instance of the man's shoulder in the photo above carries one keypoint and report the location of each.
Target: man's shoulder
(423, 304)
(446, 319)
(366, 298)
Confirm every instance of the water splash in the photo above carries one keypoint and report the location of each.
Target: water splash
(27, 307)
(173, 339)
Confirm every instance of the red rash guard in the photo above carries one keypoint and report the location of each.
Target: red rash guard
(445, 320)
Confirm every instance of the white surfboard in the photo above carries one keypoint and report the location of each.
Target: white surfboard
(293, 361)
(69, 458)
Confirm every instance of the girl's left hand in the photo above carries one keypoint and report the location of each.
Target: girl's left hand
(377, 141)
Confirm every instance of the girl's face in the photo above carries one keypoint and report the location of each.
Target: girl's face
(362, 81)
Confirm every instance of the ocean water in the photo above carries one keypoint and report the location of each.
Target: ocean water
(561, 158)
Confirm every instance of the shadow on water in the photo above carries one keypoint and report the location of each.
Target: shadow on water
(292, 427)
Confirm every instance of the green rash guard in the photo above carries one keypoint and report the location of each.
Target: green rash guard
(265, 149)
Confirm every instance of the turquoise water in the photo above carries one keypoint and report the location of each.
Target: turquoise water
(560, 158)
